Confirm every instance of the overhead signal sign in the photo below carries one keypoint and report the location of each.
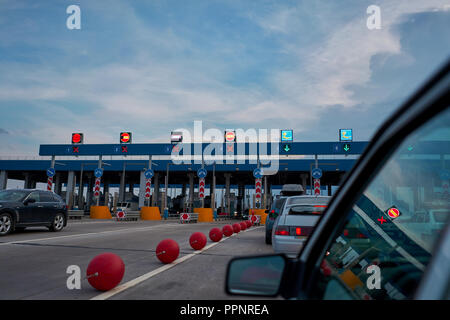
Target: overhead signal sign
(230, 136)
(286, 148)
(125, 137)
(345, 134)
(77, 138)
(176, 137)
(346, 147)
(287, 135)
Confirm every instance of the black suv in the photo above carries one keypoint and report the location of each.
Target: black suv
(21, 208)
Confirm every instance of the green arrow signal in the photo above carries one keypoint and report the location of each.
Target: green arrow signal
(287, 148)
(410, 148)
(346, 147)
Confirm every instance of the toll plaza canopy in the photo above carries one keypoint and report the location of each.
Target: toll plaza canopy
(293, 148)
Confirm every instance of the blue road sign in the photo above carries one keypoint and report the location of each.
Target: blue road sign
(345, 134)
(201, 173)
(98, 172)
(257, 173)
(316, 173)
(51, 172)
(148, 174)
(287, 135)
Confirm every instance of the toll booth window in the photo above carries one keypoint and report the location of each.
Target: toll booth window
(390, 233)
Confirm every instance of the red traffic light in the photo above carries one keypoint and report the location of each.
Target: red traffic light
(77, 138)
(125, 137)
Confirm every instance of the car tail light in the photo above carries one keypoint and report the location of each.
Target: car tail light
(298, 231)
(361, 236)
(273, 211)
(301, 231)
(282, 231)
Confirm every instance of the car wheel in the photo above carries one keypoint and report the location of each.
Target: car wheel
(6, 224)
(268, 238)
(58, 223)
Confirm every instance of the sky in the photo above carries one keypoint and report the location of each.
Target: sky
(151, 67)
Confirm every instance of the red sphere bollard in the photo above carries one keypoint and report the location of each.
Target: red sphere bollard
(243, 225)
(167, 251)
(236, 228)
(197, 240)
(105, 271)
(227, 230)
(215, 234)
(248, 223)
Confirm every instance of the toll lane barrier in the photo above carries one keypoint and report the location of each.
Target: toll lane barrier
(150, 213)
(100, 212)
(259, 212)
(204, 214)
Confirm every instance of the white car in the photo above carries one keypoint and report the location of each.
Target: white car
(296, 222)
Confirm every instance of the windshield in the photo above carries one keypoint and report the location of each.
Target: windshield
(13, 195)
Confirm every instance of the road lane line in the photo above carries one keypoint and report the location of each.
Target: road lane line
(146, 276)
(88, 234)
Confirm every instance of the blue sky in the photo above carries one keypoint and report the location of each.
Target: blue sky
(153, 66)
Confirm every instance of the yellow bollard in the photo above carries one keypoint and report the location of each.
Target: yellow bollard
(150, 213)
(204, 214)
(100, 212)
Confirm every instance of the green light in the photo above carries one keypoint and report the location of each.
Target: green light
(410, 148)
(286, 148)
(346, 147)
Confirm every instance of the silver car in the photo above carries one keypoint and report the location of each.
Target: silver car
(296, 222)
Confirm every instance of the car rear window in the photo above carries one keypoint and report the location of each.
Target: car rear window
(307, 209)
(308, 200)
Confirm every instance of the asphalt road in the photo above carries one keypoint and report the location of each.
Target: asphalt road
(33, 262)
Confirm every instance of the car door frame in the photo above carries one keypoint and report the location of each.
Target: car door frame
(427, 102)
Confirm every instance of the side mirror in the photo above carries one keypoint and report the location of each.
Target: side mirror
(256, 276)
(31, 200)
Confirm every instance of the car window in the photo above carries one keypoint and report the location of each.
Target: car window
(391, 230)
(56, 198)
(35, 196)
(12, 195)
(46, 197)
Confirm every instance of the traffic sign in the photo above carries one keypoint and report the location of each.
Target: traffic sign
(393, 212)
(98, 173)
(317, 186)
(125, 137)
(77, 138)
(201, 173)
(149, 173)
(230, 136)
(316, 173)
(286, 148)
(287, 135)
(257, 173)
(346, 147)
(51, 172)
(201, 188)
(345, 134)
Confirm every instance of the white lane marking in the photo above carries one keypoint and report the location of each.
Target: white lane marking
(136, 281)
(89, 234)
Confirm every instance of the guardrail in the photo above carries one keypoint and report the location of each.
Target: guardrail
(76, 214)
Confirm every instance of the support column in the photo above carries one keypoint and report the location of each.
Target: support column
(89, 191)
(81, 190)
(26, 182)
(106, 192)
(266, 193)
(155, 195)
(191, 192)
(3, 179)
(227, 192)
(122, 185)
(142, 182)
(58, 183)
(69, 189)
